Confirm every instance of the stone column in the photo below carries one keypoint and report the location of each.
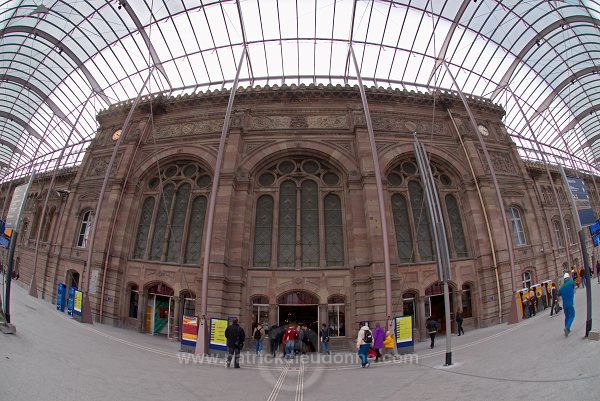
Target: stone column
(176, 318)
(142, 301)
(420, 321)
(273, 318)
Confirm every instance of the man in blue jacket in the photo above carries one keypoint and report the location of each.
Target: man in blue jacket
(566, 292)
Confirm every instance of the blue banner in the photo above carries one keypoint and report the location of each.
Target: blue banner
(581, 201)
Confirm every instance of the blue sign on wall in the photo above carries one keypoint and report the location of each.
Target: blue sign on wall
(60, 297)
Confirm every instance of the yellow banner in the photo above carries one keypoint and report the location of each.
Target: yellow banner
(404, 329)
(78, 300)
(217, 331)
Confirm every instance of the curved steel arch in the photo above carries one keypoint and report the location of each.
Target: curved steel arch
(45, 98)
(533, 42)
(562, 85)
(22, 123)
(44, 35)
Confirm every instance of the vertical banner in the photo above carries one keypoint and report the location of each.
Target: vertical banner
(189, 332)
(580, 201)
(217, 334)
(404, 334)
(77, 302)
(14, 210)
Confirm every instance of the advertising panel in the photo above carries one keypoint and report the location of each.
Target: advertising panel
(404, 334)
(189, 332)
(217, 334)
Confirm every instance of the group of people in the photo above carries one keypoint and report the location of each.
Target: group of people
(433, 326)
(375, 341)
(534, 300)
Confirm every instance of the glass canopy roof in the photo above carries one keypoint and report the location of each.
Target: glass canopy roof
(61, 62)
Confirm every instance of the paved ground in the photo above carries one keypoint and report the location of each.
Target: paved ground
(55, 358)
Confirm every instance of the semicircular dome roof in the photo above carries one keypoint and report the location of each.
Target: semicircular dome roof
(62, 61)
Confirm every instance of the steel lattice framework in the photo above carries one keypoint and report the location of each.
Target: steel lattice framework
(63, 61)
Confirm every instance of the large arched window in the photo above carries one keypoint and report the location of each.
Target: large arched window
(84, 229)
(514, 216)
(570, 232)
(456, 228)
(414, 239)
(171, 221)
(558, 233)
(304, 194)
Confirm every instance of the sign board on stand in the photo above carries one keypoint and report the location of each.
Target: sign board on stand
(189, 333)
(404, 334)
(217, 341)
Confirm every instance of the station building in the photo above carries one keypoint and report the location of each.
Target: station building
(297, 233)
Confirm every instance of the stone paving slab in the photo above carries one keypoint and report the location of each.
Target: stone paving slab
(53, 357)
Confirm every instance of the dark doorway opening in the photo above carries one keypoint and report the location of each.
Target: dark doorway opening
(434, 304)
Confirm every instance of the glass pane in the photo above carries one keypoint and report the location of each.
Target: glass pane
(287, 225)
(141, 240)
(458, 236)
(263, 231)
(310, 224)
(417, 203)
(196, 230)
(178, 222)
(160, 225)
(402, 228)
(334, 239)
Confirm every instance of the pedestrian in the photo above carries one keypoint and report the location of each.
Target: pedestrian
(324, 338)
(431, 326)
(566, 292)
(554, 298)
(544, 296)
(378, 337)
(275, 335)
(532, 302)
(235, 342)
(388, 343)
(582, 279)
(598, 271)
(459, 322)
(364, 341)
(289, 338)
(259, 335)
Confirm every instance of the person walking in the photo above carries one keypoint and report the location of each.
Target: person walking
(598, 271)
(378, 337)
(388, 344)
(275, 335)
(431, 326)
(235, 342)
(459, 322)
(289, 338)
(259, 335)
(364, 340)
(554, 298)
(544, 296)
(324, 338)
(567, 292)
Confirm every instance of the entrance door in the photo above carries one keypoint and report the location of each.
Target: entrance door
(160, 310)
(300, 308)
(434, 303)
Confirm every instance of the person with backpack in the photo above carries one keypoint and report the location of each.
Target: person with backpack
(235, 342)
(324, 338)
(431, 326)
(364, 341)
(259, 335)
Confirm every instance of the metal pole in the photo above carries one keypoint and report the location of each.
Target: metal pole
(513, 317)
(33, 284)
(11, 250)
(201, 343)
(86, 312)
(485, 215)
(439, 231)
(382, 217)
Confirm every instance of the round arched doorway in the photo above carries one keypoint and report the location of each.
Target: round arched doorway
(159, 309)
(434, 303)
(299, 308)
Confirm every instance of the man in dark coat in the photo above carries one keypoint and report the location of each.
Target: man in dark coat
(275, 336)
(235, 342)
